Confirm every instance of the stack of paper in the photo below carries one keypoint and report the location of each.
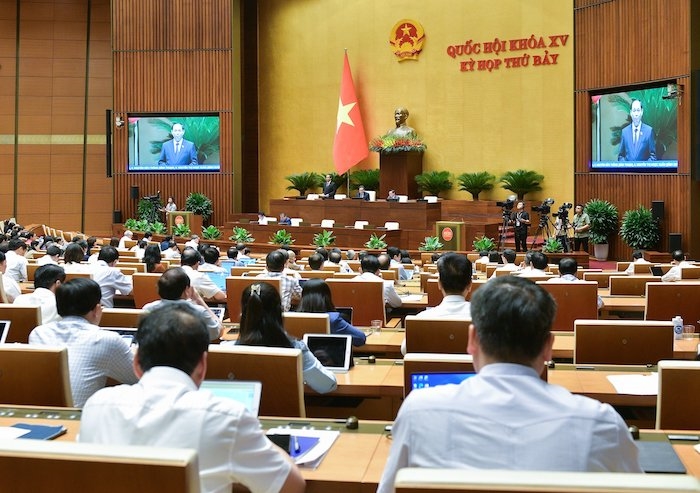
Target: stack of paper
(307, 447)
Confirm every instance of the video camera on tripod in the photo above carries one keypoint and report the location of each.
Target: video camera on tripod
(545, 207)
(563, 212)
(507, 204)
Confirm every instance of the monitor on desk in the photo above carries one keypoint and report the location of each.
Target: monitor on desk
(433, 379)
(245, 392)
(218, 278)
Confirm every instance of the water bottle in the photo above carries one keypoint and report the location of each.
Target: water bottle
(677, 327)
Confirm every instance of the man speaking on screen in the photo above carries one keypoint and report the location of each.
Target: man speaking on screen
(638, 142)
(178, 151)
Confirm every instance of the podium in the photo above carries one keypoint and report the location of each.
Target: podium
(184, 217)
(397, 172)
(452, 235)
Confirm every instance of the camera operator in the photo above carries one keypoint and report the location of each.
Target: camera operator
(521, 221)
(561, 225)
(581, 224)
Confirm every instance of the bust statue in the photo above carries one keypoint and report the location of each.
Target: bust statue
(402, 130)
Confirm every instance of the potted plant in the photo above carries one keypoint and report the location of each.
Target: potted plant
(157, 228)
(552, 245)
(304, 181)
(483, 244)
(282, 237)
(522, 182)
(368, 178)
(434, 182)
(430, 244)
(211, 233)
(324, 238)
(199, 204)
(181, 230)
(241, 235)
(603, 216)
(475, 183)
(639, 229)
(376, 242)
(147, 210)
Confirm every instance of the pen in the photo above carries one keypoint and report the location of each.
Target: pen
(295, 444)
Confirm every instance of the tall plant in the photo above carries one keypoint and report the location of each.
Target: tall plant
(522, 182)
(198, 203)
(368, 178)
(603, 216)
(640, 230)
(304, 181)
(434, 182)
(475, 183)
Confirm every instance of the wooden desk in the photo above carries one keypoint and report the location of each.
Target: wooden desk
(627, 304)
(564, 343)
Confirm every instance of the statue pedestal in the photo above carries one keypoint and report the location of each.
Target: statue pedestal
(397, 172)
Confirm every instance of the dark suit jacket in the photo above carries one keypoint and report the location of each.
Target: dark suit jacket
(643, 150)
(329, 189)
(186, 156)
(363, 195)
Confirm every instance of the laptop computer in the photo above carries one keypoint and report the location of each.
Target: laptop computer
(433, 379)
(334, 351)
(656, 270)
(246, 392)
(218, 278)
(345, 313)
(127, 333)
(219, 311)
(4, 330)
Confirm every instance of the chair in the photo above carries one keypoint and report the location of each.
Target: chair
(296, 221)
(622, 342)
(441, 335)
(234, 290)
(297, 324)
(372, 195)
(630, 285)
(574, 300)
(279, 370)
(431, 199)
(24, 319)
(34, 376)
(642, 268)
(391, 225)
(121, 317)
(366, 298)
(678, 399)
(65, 467)
(31, 270)
(318, 274)
(312, 196)
(327, 223)
(690, 272)
(665, 300)
(421, 480)
(145, 288)
(78, 275)
(403, 198)
(361, 224)
(340, 196)
(431, 362)
(331, 267)
(242, 270)
(389, 275)
(602, 278)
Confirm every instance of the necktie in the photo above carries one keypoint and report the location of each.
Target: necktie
(177, 147)
(636, 135)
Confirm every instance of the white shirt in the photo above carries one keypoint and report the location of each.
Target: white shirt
(93, 354)
(166, 409)
(404, 275)
(45, 260)
(110, 280)
(391, 298)
(16, 266)
(505, 267)
(451, 306)
(43, 297)
(630, 268)
(11, 287)
(573, 278)
(201, 282)
(209, 319)
(506, 417)
(674, 273)
(122, 242)
(77, 268)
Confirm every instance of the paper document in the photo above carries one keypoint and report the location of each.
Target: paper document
(411, 298)
(636, 384)
(10, 432)
(312, 457)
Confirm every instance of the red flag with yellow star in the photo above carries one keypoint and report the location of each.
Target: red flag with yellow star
(350, 144)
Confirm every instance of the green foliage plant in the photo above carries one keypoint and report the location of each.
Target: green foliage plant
(376, 242)
(434, 182)
(521, 182)
(640, 230)
(552, 245)
(181, 230)
(157, 228)
(131, 224)
(282, 237)
(483, 244)
(241, 235)
(147, 210)
(200, 204)
(603, 216)
(324, 238)
(304, 181)
(368, 178)
(430, 244)
(475, 183)
(211, 232)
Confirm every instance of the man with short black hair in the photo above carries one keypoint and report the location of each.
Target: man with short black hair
(568, 267)
(394, 254)
(290, 290)
(167, 409)
(211, 261)
(205, 287)
(508, 257)
(174, 289)
(637, 258)
(93, 354)
(679, 262)
(16, 262)
(47, 279)
(53, 253)
(108, 277)
(506, 416)
(316, 261)
(538, 261)
(370, 272)
(454, 281)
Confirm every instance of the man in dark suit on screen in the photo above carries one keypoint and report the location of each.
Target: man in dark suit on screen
(638, 142)
(178, 151)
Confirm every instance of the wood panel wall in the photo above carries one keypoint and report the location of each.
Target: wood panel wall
(622, 43)
(174, 56)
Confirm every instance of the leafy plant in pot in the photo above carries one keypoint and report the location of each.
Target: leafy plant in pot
(324, 238)
(639, 229)
(603, 216)
(522, 182)
(475, 183)
(430, 244)
(483, 244)
(199, 204)
(434, 182)
(282, 237)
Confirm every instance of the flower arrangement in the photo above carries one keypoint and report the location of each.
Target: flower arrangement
(389, 144)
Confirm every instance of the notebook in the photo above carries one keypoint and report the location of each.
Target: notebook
(334, 351)
(246, 392)
(656, 270)
(433, 379)
(4, 330)
(218, 278)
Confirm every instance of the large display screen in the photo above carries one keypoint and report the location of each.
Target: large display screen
(635, 131)
(173, 143)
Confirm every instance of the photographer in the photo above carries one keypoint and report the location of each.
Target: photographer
(582, 225)
(561, 225)
(521, 221)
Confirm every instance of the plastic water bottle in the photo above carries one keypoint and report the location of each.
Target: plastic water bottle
(677, 327)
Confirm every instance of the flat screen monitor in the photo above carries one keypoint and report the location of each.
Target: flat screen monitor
(433, 379)
(635, 131)
(173, 143)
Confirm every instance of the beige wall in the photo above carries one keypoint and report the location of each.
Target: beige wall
(471, 121)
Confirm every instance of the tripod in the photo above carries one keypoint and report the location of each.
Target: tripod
(542, 230)
(504, 229)
(562, 232)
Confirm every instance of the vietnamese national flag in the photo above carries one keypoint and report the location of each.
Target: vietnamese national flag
(350, 144)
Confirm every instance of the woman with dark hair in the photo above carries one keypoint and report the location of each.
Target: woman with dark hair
(261, 325)
(151, 257)
(316, 298)
(73, 256)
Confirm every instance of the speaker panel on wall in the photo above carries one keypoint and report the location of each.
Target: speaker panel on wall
(117, 217)
(134, 192)
(657, 209)
(108, 142)
(675, 242)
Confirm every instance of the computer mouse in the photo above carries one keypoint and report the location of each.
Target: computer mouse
(352, 423)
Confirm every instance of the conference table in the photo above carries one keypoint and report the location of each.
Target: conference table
(355, 462)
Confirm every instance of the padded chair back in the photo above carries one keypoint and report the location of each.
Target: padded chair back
(365, 297)
(279, 370)
(432, 362)
(24, 319)
(602, 278)
(630, 285)
(441, 335)
(360, 224)
(121, 317)
(390, 225)
(78, 275)
(622, 342)
(574, 300)
(67, 466)
(234, 289)
(642, 269)
(318, 274)
(665, 300)
(242, 270)
(145, 288)
(31, 270)
(34, 376)
(327, 223)
(296, 221)
(297, 324)
(690, 272)
(678, 399)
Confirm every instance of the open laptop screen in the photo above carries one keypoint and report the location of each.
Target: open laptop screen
(334, 351)
(218, 278)
(433, 379)
(246, 392)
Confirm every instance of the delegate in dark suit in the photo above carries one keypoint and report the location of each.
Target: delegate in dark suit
(644, 149)
(187, 155)
(329, 188)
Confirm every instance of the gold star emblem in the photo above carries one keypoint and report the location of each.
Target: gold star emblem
(344, 114)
